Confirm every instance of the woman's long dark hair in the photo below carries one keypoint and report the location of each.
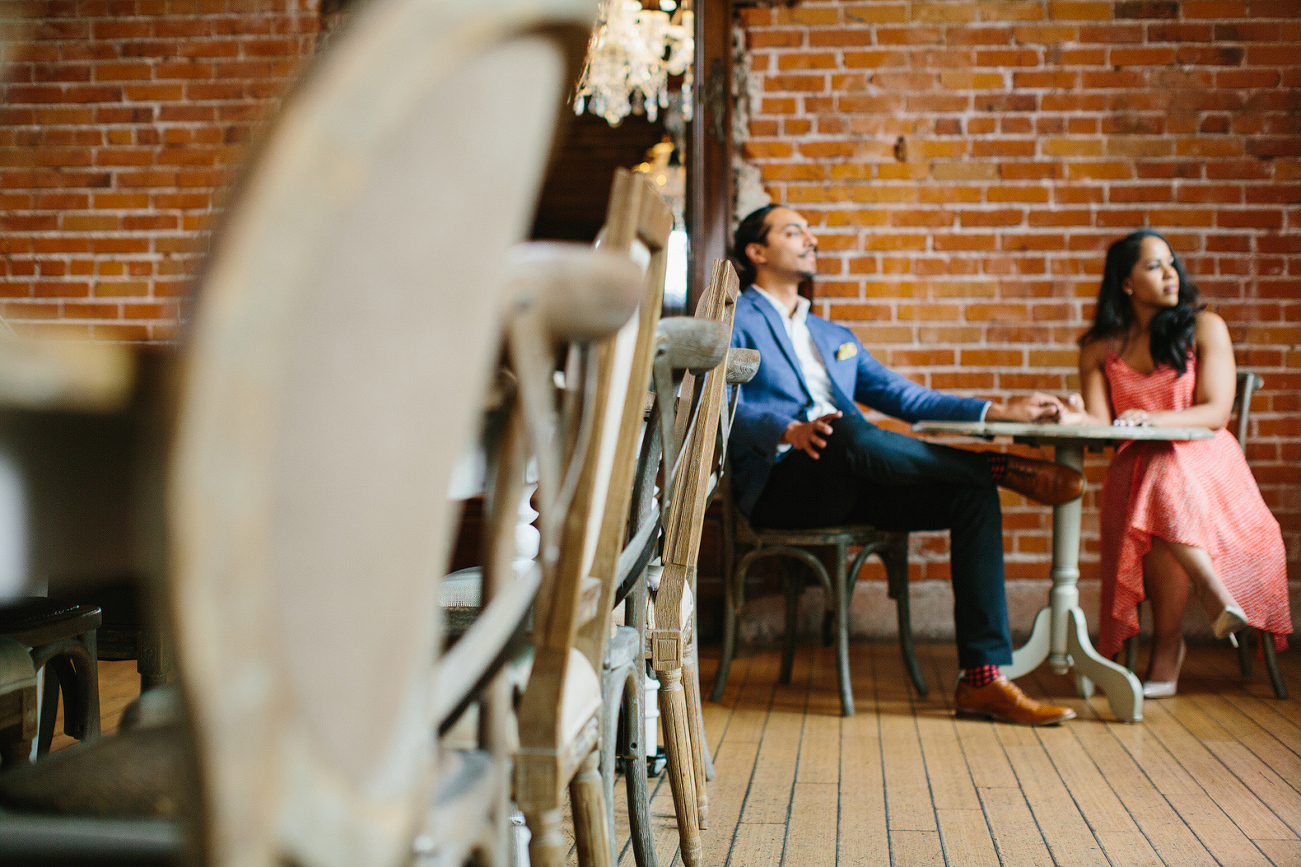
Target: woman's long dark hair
(1171, 330)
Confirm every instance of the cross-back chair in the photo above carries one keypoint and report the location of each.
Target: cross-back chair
(1248, 384)
(670, 637)
(347, 327)
(638, 223)
(571, 296)
(560, 712)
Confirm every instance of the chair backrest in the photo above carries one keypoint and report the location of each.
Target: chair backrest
(1248, 384)
(567, 295)
(698, 413)
(346, 328)
(574, 603)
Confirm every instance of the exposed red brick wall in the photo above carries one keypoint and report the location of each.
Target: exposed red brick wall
(966, 162)
(120, 122)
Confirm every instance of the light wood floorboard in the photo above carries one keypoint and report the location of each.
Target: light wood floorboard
(1212, 776)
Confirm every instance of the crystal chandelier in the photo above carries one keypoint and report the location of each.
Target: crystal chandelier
(630, 57)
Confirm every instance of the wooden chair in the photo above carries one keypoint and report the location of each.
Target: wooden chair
(670, 636)
(347, 329)
(562, 712)
(638, 221)
(637, 227)
(1248, 383)
(572, 296)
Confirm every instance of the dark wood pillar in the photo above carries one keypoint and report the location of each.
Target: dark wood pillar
(709, 170)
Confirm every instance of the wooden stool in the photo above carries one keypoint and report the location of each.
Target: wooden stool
(61, 636)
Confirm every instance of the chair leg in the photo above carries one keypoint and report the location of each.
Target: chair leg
(634, 769)
(793, 585)
(729, 643)
(707, 760)
(733, 598)
(594, 837)
(49, 709)
(1271, 663)
(841, 590)
(547, 846)
(613, 685)
(696, 728)
(81, 716)
(1131, 652)
(896, 571)
(1244, 652)
(677, 746)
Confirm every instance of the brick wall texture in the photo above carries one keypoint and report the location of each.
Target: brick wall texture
(120, 124)
(966, 163)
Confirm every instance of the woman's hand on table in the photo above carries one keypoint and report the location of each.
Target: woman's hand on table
(1133, 418)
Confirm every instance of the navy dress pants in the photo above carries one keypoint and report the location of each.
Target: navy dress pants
(867, 475)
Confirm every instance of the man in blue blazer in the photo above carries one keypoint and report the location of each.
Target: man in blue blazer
(803, 455)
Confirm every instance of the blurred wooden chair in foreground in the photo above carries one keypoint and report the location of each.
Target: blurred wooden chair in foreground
(346, 330)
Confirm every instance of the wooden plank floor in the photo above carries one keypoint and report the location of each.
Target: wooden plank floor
(1212, 776)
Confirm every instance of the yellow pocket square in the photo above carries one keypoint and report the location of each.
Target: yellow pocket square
(846, 350)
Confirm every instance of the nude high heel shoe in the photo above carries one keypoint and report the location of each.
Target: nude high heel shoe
(1229, 621)
(1165, 688)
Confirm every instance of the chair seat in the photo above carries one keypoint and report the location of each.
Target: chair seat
(16, 669)
(460, 596)
(133, 774)
(853, 534)
(37, 620)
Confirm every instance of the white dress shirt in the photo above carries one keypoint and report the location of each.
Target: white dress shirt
(812, 367)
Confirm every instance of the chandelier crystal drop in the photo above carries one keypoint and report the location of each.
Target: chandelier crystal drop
(630, 57)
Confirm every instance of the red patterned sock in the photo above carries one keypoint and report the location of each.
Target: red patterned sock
(997, 465)
(981, 675)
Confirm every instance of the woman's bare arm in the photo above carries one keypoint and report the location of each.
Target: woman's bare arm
(1093, 404)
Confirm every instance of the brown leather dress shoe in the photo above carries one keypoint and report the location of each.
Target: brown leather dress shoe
(1003, 701)
(1043, 481)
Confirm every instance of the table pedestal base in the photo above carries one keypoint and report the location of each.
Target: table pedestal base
(1122, 688)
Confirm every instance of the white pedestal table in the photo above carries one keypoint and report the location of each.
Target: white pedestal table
(1060, 635)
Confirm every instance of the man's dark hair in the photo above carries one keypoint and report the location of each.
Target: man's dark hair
(751, 230)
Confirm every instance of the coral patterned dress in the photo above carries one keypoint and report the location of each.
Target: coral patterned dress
(1198, 492)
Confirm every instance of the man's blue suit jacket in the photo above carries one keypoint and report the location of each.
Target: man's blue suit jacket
(778, 394)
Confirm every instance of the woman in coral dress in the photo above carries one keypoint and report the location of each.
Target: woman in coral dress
(1175, 515)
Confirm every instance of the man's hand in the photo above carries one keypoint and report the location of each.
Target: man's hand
(807, 435)
(1035, 408)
